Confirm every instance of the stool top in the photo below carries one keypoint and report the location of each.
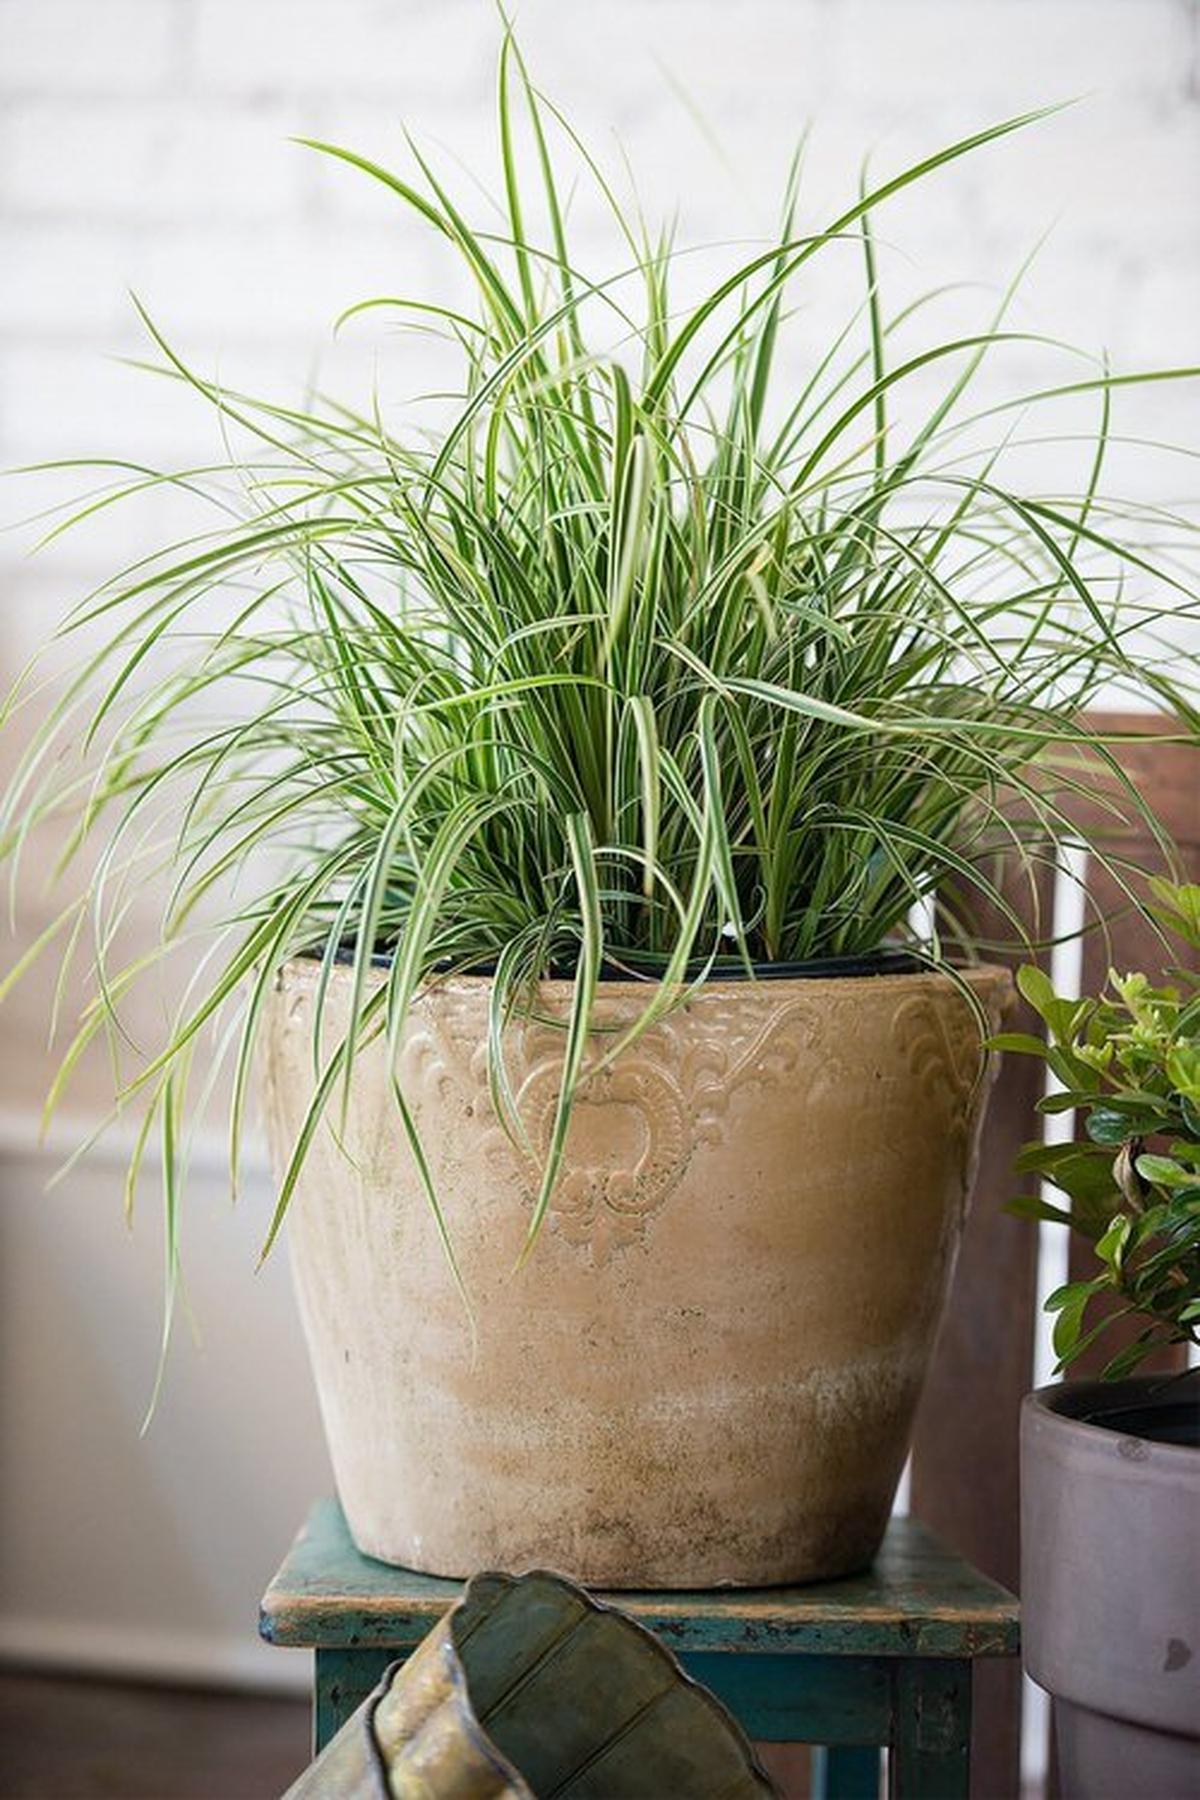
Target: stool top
(918, 1599)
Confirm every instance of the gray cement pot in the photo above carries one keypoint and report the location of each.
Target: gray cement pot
(1110, 1581)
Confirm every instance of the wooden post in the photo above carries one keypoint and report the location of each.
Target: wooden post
(965, 1477)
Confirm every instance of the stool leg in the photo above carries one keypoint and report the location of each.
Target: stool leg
(342, 1679)
(931, 1731)
(845, 1772)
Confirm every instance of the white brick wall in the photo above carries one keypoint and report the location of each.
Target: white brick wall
(143, 144)
(119, 47)
(152, 162)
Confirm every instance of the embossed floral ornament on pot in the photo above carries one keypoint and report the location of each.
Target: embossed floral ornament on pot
(708, 1370)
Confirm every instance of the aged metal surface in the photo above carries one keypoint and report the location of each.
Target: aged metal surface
(708, 1371)
(529, 1687)
(917, 1600)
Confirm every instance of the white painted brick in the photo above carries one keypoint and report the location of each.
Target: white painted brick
(156, 162)
(244, 246)
(274, 289)
(463, 140)
(36, 592)
(68, 46)
(1067, 294)
(61, 402)
(39, 581)
(723, 58)
(1160, 328)
(399, 49)
(285, 283)
(60, 280)
(1007, 54)
(1111, 169)
(676, 73)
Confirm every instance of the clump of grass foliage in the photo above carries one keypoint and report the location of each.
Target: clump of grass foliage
(649, 662)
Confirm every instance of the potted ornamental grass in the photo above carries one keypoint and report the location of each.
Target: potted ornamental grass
(553, 807)
(1110, 1469)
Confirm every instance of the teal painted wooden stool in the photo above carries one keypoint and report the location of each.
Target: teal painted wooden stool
(880, 1659)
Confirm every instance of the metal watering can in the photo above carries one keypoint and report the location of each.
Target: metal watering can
(529, 1689)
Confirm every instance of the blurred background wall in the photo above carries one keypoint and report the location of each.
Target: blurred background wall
(144, 145)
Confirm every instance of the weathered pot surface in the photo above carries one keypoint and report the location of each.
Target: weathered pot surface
(707, 1369)
(1110, 1581)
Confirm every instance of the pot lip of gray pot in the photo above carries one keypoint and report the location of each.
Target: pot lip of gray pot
(1057, 1407)
(855, 976)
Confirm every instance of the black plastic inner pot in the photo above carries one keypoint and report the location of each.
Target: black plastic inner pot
(1161, 1424)
(725, 968)
(1161, 1409)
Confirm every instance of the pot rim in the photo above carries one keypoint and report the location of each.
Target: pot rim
(889, 959)
(1039, 1406)
(989, 977)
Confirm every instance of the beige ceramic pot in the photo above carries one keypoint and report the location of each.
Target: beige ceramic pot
(707, 1370)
